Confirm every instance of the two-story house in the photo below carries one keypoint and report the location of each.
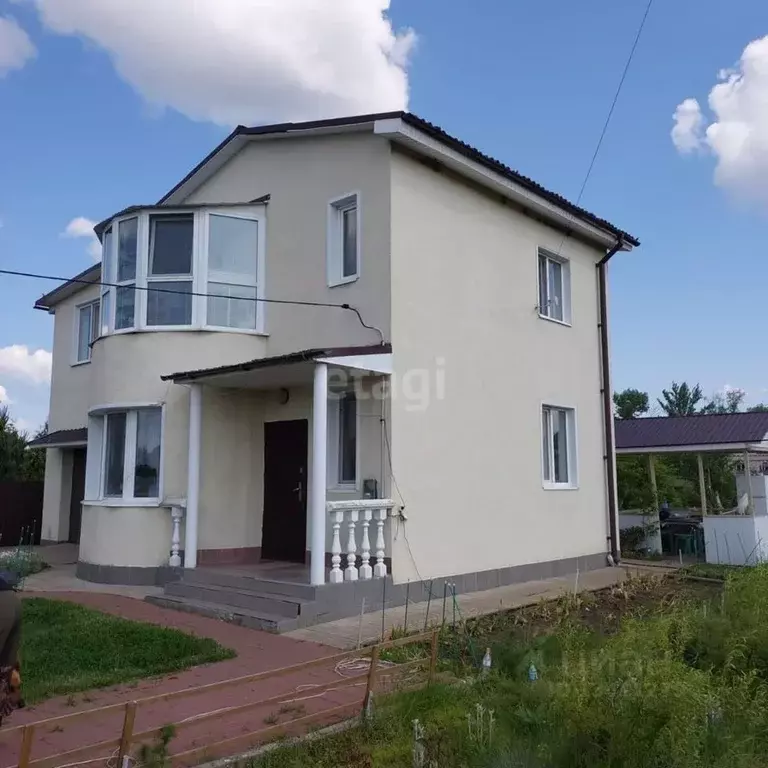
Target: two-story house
(364, 310)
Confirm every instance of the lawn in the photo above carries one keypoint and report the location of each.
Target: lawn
(67, 648)
(669, 674)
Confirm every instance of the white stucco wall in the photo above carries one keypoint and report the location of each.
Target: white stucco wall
(469, 465)
(69, 383)
(56, 495)
(302, 176)
(125, 536)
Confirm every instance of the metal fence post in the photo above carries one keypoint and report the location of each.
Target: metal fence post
(433, 657)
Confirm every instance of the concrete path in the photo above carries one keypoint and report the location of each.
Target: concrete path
(347, 633)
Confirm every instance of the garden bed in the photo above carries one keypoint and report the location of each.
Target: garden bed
(655, 672)
(67, 648)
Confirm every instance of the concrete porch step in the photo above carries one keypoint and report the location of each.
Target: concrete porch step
(252, 583)
(234, 615)
(236, 597)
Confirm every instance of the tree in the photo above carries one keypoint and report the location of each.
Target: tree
(630, 403)
(16, 462)
(759, 408)
(681, 400)
(728, 402)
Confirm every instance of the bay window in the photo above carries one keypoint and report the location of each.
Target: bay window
(194, 268)
(129, 444)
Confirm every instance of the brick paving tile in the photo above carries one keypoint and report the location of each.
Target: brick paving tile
(257, 652)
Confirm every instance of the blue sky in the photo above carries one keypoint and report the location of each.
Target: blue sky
(100, 110)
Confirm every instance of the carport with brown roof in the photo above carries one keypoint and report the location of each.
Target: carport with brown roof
(741, 433)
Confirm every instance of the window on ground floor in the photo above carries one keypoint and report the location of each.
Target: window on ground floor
(342, 440)
(129, 444)
(558, 428)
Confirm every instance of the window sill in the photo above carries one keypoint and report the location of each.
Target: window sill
(343, 281)
(80, 362)
(115, 502)
(342, 489)
(184, 329)
(559, 487)
(566, 323)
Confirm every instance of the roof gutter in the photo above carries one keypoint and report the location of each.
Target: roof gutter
(606, 392)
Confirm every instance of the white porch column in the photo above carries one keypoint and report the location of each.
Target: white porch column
(193, 474)
(319, 474)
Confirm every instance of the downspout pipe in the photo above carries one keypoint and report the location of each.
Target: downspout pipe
(605, 391)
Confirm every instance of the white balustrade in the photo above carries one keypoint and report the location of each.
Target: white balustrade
(177, 514)
(364, 511)
(337, 576)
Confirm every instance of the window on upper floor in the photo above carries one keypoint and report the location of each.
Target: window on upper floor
(198, 269)
(554, 287)
(86, 330)
(558, 429)
(343, 247)
(129, 444)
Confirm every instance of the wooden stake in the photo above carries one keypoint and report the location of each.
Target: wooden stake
(27, 735)
(125, 739)
(433, 657)
(371, 678)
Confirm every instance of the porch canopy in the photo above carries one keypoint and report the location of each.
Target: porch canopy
(737, 433)
(282, 371)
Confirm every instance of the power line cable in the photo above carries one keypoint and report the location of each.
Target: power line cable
(155, 289)
(615, 100)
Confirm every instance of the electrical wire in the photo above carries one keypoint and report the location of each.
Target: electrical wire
(615, 100)
(204, 294)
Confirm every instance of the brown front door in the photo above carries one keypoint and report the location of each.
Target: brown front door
(284, 529)
(76, 497)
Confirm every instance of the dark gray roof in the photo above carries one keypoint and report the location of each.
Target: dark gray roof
(89, 276)
(436, 133)
(681, 431)
(268, 362)
(63, 437)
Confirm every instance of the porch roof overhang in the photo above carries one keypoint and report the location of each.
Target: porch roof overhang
(289, 370)
(701, 433)
(63, 438)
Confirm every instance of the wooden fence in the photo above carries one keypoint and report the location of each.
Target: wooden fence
(113, 751)
(21, 510)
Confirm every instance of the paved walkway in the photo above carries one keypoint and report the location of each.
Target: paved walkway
(346, 633)
(257, 651)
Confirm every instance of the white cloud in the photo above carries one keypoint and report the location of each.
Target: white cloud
(22, 363)
(248, 61)
(16, 49)
(82, 227)
(4, 399)
(737, 134)
(687, 132)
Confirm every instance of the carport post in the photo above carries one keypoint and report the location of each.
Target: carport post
(748, 475)
(654, 487)
(193, 474)
(702, 485)
(319, 478)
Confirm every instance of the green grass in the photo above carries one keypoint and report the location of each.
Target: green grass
(679, 680)
(711, 570)
(67, 648)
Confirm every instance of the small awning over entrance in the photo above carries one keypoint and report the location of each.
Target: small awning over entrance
(291, 369)
(64, 438)
(702, 433)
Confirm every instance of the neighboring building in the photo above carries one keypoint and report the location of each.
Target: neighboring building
(440, 345)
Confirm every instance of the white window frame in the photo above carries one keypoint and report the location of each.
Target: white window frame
(565, 264)
(334, 444)
(94, 307)
(235, 213)
(107, 296)
(97, 456)
(547, 445)
(199, 278)
(125, 283)
(193, 278)
(335, 234)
